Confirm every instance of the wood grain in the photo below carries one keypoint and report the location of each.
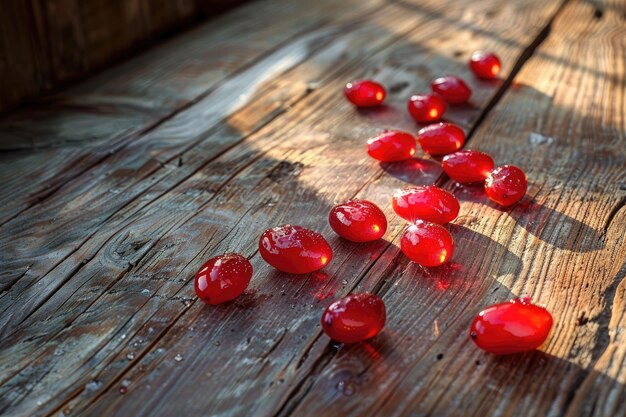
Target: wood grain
(97, 283)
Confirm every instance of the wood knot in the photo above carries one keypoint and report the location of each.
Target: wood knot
(582, 319)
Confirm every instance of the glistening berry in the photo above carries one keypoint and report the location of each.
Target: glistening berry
(506, 185)
(467, 166)
(391, 146)
(294, 249)
(441, 138)
(485, 65)
(512, 327)
(426, 108)
(223, 278)
(358, 220)
(452, 89)
(429, 203)
(365, 93)
(428, 244)
(354, 318)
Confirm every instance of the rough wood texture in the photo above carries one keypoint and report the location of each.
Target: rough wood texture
(137, 176)
(44, 43)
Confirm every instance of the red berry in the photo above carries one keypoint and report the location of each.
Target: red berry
(354, 318)
(429, 203)
(365, 93)
(506, 185)
(428, 244)
(467, 166)
(223, 278)
(451, 88)
(512, 327)
(441, 138)
(391, 146)
(358, 221)
(426, 108)
(486, 65)
(294, 249)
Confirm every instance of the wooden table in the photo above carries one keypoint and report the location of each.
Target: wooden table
(116, 190)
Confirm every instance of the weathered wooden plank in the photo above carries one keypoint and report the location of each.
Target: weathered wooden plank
(135, 249)
(564, 245)
(80, 127)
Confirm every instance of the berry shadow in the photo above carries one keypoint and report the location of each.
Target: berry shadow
(461, 113)
(416, 171)
(551, 226)
(556, 228)
(389, 115)
(547, 378)
(485, 267)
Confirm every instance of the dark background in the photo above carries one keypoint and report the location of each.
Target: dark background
(47, 43)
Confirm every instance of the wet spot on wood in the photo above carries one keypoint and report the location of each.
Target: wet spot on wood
(285, 171)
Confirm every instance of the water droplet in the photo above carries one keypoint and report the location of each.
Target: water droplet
(160, 350)
(150, 329)
(217, 343)
(58, 352)
(93, 385)
(178, 357)
(137, 343)
(186, 301)
(130, 356)
(538, 139)
(347, 388)
(39, 402)
(126, 382)
(344, 281)
(145, 291)
(123, 336)
(123, 390)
